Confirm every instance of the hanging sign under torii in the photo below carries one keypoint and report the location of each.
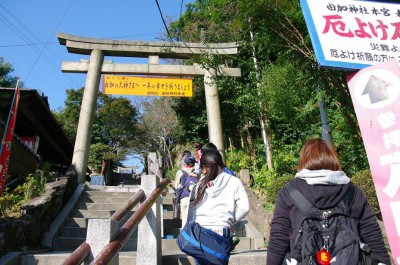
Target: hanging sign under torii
(147, 86)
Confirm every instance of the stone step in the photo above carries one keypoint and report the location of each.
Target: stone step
(70, 244)
(168, 207)
(174, 232)
(82, 222)
(170, 244)
(105, 194)
(100, 206)
(100, 199)
(102, 202)
(67, 242)
(76, 222)
(103, 214)
(167, 200)
(92, 214)
(80, 232)
(253, 257)
(172, 223)
(117, 189)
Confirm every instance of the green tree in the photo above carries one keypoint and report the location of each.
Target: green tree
(69, 115)
(6, 80)
(160, 124)
(116, 132)
(291, 84)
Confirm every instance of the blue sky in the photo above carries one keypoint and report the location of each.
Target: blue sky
(28, 35)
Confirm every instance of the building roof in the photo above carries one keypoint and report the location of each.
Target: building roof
(34, 118)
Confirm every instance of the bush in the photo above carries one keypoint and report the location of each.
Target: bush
(34, 186)
(238, 159)
(363, 179)
(275, 186)
(171, 173)
(263, 178)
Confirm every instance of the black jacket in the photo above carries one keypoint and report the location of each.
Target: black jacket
(287, 219)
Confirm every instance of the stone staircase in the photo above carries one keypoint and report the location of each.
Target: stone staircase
(69, 231)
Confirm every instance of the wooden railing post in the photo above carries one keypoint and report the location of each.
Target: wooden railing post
(149, 229)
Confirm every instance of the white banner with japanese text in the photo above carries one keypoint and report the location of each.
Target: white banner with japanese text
(348, 34)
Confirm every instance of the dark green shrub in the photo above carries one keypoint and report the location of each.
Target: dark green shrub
(263, 178)
(363, 179)
(237, 159)
(274, 186)
(34, 186)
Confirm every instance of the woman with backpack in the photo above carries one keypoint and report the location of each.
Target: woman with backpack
(318, 190)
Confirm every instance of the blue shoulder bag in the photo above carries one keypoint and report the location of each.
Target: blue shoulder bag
(203, 244)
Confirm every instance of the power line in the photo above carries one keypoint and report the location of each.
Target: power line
(51, 35)
(33, 45)
(24, 37)
(56, 42)
(163, 20)
(27, 44)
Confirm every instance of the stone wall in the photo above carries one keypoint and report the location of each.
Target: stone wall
(38, 214)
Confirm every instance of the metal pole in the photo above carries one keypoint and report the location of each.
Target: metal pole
(325, 128)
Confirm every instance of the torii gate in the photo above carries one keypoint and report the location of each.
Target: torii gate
(98, 48)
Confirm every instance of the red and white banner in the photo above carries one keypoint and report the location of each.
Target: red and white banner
(375, 92)
(5, 149)
(103, 167)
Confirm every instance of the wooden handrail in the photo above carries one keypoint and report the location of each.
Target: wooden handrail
(122, 211)
(79, 255)
(83, 251)
(111, 249)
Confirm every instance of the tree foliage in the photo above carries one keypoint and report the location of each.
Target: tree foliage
(160, 123)
(116, 132)
(6, 80)
(280, 80)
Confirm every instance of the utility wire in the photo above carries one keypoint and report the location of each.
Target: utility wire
(24, 37)
(163, 20)
(51, 35)
(28, 42)
(166, 28)
(26, 28)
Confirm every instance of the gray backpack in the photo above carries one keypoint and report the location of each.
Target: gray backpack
(330, 235)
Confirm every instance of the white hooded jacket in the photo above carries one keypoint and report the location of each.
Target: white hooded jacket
(225, 202)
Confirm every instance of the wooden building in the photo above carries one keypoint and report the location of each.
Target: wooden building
(38, 137)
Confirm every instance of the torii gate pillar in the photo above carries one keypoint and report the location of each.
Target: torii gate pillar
(213, 111)
(86, 116)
